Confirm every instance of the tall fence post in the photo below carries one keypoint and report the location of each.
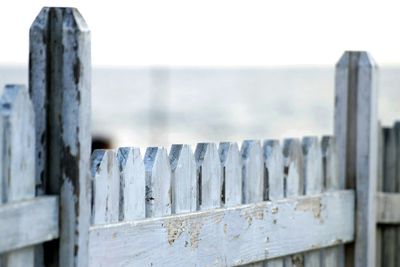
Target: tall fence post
(356, 129)
(59, 83)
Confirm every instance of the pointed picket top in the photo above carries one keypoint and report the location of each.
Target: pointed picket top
(351, 59)
(293, 160)
(105, 175)
(329, 160)
(209, 175)
(312, 165)
(132, 184)
(158, 182)
(183, 179)
(18, 144)
(231, 174)
(274, 169)
(252, 171)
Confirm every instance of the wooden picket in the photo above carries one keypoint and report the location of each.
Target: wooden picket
(19, 209)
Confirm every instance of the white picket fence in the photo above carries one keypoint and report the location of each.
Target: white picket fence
(309, 202)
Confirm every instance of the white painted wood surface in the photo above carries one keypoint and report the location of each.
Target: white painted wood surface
(275, 178)
(357, 143)
(17, 167)
(332, 256)
(209, 175)
(313, 181)
(231, 174)
(252, 175)
(132, 184)
(60, 81)
(158, 182)
(18, 218)
(106, 187)
(183, 179)
(294, 182)
(250, 233)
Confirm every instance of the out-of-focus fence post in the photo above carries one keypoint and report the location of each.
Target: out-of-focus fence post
(356, 129)
(59, 83)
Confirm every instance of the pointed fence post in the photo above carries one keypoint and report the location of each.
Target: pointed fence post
(59, 83)
(356, 129)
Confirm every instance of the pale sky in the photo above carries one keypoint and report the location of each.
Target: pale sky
(218, 32)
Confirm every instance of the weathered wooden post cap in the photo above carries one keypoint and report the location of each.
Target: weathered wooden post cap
(356, 58)
(71, 18)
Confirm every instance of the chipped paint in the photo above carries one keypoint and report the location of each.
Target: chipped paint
(311, 204)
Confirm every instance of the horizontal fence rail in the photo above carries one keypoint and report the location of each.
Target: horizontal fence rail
(28, 222)
(230, 236)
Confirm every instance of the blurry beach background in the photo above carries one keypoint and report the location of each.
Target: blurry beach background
(184, 72)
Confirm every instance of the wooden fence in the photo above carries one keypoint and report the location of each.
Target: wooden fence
(309, 202)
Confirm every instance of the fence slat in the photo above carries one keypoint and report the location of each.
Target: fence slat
(132, 184)
(209, 175)
(183, 179)
(59, 83)
(332, 256)
(357, 143)
(17, 166)
(294, 183)
(389, 185)
(105, 187)
(397, 137)
(274, 171)
(158, 182)
(231, 174)
(313, 184)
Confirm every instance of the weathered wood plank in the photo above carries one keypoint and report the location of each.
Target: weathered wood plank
(274, 168)
(250, 233)
(387, 210)
(17, 167)
(379, 187)
(313, 181)
(209, 176)
(294, 182)
(158, 182)
(389, 252)
(132, 184)
(252, 175)
(183, 179)
(397, 137)
(59, 83)
(332, 256)
(231, 174)
(18, 218)
(106, 187)
(357, 145)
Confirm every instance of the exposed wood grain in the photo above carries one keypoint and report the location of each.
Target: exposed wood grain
(379, 187)
(274, 171)
(158, 182)
(132, 184)
(60, 89)
(397, 137)
(250, 233)
(231, 174)
(17, 167)
(357, 144)
(313, 184)
(106, 187)
(183, 179)
(40, 212)
(209, 175)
